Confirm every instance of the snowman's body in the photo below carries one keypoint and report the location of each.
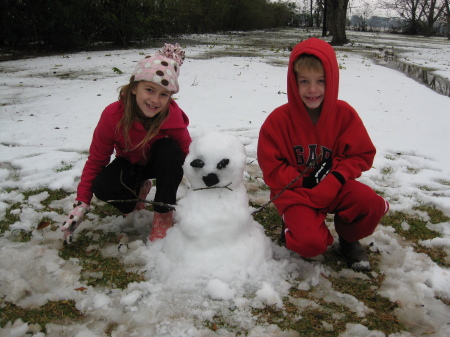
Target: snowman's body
(213, 221)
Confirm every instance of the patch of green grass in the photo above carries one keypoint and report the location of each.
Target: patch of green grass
(117, 70)
(113, 272)
(380, 193)
(324, 318)
(418, 230)
(52, 196)
(270, 220)
(12, 213)
(383, 317)
(51, 312)
(426, 188)
(444, 182)
(387, 170)
(65, 167)
(412, 170)
(330, 318)
(10, 217)
(102, 209)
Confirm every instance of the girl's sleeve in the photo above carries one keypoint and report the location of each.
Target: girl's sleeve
(100, 152)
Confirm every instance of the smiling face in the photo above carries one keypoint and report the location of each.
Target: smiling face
(151, 98)
(311, 87)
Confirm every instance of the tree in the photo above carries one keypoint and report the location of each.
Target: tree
(447, 14)
(363, 13)
(409, 10)
(319, 12)
(433, 9)
(337, 20)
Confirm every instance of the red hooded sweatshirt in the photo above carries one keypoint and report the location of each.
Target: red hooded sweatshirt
(288, 140)
(107, 138)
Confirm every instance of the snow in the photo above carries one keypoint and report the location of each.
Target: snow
(50, 106)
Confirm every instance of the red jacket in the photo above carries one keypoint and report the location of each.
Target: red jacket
(106, 139)
(288, 140)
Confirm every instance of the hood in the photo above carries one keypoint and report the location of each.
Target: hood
(327, 56)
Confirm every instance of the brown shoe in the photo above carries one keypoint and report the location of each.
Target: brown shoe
(355, 255)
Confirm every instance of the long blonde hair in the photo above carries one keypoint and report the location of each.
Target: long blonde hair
(131, 114)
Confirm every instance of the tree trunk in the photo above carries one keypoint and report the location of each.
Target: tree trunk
(433, 14)
(325, 18)
(447, 11)
(338, 11)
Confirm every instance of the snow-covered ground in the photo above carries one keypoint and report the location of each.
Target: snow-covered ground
(229, 83)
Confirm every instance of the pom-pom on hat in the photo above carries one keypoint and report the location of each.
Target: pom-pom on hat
(162, 68)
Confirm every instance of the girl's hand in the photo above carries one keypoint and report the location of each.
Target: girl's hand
(73, 220)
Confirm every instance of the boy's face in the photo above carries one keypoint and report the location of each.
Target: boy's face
(311, 87)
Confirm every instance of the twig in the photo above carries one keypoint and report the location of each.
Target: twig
(209, 188)
(124, 185)
(310, 166)
(155, 203)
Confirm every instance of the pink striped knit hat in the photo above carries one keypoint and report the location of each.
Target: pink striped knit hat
(162, 68)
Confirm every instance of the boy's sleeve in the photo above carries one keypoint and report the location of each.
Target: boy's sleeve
(277, 173)
(355, 152)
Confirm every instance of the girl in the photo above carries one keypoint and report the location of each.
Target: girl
(148, 132)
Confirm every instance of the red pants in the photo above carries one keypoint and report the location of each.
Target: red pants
(357, 211)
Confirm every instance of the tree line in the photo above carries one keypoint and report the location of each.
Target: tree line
(80, 24)
(413, 17)
(75, 24)
(424, 17)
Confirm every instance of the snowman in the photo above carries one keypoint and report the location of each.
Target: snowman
(213, 221)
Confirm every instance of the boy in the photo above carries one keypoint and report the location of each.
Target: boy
(314, 124)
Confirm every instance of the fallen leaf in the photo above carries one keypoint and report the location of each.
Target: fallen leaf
(81, 289)
(43, 224)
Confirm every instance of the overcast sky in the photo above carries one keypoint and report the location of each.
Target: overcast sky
(356, 6)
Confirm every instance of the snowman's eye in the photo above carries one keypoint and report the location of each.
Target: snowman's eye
(197, 163)
(223, 163)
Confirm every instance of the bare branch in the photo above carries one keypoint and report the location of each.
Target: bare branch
(155, 203)
(209, 188)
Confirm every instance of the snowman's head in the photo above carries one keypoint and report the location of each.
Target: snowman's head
(215, 160)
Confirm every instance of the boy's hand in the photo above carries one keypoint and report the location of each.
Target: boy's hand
(319, 172)
(74, 219)
(324, 193)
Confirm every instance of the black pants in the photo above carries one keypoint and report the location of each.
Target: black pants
(165, 165)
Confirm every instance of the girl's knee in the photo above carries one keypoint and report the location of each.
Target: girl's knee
(164, 145)
(166, 151)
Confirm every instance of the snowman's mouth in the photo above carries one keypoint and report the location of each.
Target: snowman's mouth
(212, 187)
